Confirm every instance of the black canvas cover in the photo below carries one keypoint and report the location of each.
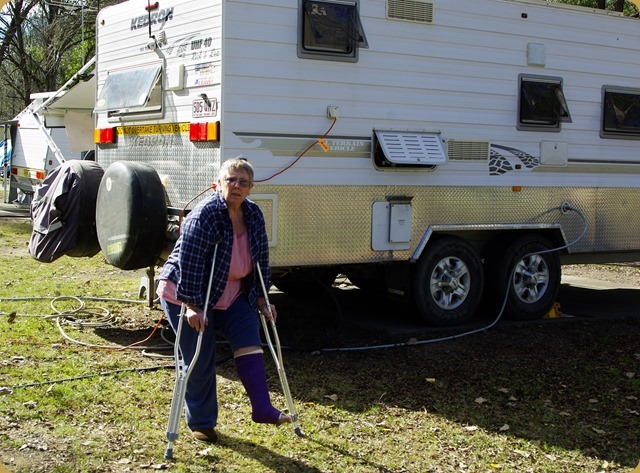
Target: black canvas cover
(63, 211)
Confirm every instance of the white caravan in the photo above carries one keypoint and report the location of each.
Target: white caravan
(435, 149)
(54, 127)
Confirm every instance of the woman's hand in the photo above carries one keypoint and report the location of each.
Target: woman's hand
(264, 310)
(196, 319)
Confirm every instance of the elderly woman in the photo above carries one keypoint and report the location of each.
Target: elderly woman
(237, 223)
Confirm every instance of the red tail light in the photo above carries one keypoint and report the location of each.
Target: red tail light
(208, 131)
(104, 135)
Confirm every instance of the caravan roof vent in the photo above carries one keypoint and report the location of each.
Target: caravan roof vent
(420, 11)
(410, 148)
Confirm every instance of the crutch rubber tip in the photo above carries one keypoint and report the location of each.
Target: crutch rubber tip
(168, 454)
(298, 432)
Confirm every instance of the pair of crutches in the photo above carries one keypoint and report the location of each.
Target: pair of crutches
(182, 376)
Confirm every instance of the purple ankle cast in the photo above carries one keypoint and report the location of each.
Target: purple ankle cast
(252, 373)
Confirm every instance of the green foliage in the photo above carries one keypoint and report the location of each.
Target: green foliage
(614, 5)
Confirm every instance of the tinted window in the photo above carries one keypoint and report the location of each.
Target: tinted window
(330, 30)
(542, 103)
(621, 113)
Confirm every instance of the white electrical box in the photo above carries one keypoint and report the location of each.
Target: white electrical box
(536, 54)
(399, 222)
(554, 153)
(391, 226)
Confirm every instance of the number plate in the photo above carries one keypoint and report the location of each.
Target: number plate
(204, 108)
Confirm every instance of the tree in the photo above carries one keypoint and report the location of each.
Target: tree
(11, 30)
(43, 43)
(614, 5)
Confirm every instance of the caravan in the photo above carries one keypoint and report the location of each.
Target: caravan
(437, 150)
(53, 128)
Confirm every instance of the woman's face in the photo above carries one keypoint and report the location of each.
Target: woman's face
(235, 186)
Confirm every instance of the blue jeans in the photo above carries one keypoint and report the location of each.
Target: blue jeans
(240, 326)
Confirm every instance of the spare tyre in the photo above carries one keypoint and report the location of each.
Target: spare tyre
(131, 215)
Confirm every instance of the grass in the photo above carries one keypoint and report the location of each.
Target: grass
(554, 396)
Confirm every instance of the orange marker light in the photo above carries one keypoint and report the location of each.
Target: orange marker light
(104, 135)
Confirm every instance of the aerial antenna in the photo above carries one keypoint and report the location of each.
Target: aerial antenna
(151, 6)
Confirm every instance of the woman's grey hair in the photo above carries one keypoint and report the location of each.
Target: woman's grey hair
(237, 164)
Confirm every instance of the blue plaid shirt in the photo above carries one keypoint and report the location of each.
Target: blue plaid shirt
(189, 265)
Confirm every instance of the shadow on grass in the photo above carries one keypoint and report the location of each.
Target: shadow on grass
(563, 383)
(271, 460)
(569, 383)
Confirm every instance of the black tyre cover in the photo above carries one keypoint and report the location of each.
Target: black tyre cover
(87, 242)
(131, 215)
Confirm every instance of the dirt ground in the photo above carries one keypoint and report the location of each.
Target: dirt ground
(625, 274)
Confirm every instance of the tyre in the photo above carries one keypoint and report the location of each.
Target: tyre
(131, 215)
(533, 279)
(448, 282)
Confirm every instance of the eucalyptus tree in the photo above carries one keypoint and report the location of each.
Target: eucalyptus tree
(43, 43)
(614, 5)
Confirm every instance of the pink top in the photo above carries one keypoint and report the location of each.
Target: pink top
(240, 267)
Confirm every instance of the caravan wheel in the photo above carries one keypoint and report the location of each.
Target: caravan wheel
(131, 215)
(448, 282)
(533, 279)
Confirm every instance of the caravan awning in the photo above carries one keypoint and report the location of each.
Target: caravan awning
(81, 96)
(76, 108)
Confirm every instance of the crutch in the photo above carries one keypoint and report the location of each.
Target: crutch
(277, 357)
(180, 388)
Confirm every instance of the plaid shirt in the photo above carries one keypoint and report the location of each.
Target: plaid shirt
(189, 265)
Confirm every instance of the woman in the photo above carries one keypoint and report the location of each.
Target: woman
(237, 223)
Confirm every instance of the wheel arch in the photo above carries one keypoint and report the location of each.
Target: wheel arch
(486, 237)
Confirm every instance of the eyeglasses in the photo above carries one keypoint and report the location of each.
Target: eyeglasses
(232, 181)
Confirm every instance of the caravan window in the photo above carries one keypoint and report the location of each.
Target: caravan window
(541, 104)
(620, 113)
(330, 30)
(132, 92)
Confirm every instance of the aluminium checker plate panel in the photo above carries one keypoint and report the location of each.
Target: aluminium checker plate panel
(332, 225)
